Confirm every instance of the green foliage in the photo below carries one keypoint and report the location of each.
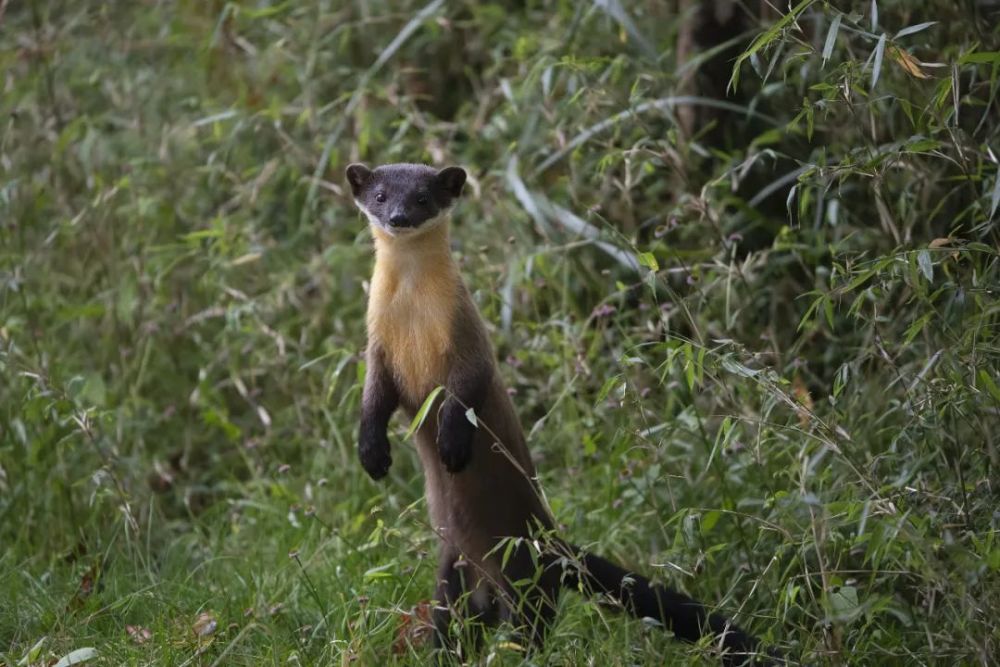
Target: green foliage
(760, 362)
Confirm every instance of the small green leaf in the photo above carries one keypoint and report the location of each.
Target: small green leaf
(765, 38)
(379, 572)
(508, 551)
(915, 328)
(689, 365)
(648, 260)
(943, 92)
(418, 419)
(606, 388)
(922, 145)
(809, 312)
(981, 58)
(709, 520)
(32, 655)
(264, 12)
(701, 365)
(990, 385)
(94, 391)
(844, 602)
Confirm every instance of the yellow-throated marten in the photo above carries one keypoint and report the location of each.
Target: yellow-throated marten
(424, 331)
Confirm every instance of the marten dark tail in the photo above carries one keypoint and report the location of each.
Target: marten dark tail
(687, 618)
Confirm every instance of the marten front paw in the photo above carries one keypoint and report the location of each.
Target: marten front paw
(455, 455)
(455, 440)
(373, 451)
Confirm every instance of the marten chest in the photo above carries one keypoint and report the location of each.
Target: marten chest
(410, 314)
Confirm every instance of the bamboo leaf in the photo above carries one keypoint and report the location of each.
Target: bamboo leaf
(995, 197)
(831, 37)
(913, 29)
(980, 58)
(915, 328)
(879, 54)
(926, 266)
(31, 656)
(909, 64)
(418, 419)
(789, 201)
(615, 10)
(955, 87)
(76, 657)
(648, 260)
(709, 520)
(990, 385)
(766, 38)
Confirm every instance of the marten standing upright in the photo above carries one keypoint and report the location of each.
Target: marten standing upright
(424, 331)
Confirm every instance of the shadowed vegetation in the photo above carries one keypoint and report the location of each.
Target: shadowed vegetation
(741, 269)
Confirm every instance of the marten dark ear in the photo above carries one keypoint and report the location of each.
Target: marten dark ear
(358, 176)
(451, 180)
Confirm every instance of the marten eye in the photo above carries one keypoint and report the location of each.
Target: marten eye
(380, 197)
(422, 199)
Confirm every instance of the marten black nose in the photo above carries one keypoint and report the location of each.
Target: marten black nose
(398, 220)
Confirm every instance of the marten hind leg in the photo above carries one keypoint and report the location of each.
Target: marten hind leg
(462, 606)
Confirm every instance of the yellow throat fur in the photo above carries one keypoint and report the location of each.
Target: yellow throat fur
(411, 307)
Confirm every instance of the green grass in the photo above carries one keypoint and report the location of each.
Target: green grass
(783, 401)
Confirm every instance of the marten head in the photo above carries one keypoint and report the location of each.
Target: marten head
(403, 199)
